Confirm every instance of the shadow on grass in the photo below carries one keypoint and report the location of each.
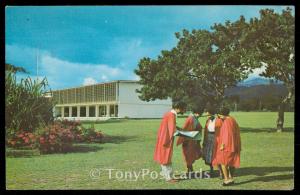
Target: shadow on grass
(83, 148)
(264, 130)
(267, 178)
(76, 148)
(116, 139)
(262, 171)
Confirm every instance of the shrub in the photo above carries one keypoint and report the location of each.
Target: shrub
(56, 138)
(91, 135)
(25, 106)
(60, 136)
(22, 139)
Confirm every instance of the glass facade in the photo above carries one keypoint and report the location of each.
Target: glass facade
(92, 111)
(102, 111)
(66, 111)
(84, 101)
(82, 111)
(74, 111)
(105, 92)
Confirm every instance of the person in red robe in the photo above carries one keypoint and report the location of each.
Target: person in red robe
(211, 132)
(228, 146)
(164, 144)
(191, 149)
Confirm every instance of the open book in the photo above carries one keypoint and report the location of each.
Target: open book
(194, 135)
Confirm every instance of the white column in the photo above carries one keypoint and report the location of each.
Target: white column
(87, 110)
(78, 111)
(70, 111)
(107, 111)
(97, 111)
(62, 111)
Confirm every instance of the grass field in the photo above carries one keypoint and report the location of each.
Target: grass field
(267, 159)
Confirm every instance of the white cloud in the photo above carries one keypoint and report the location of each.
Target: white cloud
(62, 73)
(89, 81)
(257, 71)
(70, 72)
(104, 77)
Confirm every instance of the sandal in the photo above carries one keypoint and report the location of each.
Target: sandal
(228, 183)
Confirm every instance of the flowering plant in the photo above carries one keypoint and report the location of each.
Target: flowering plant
(21, 139)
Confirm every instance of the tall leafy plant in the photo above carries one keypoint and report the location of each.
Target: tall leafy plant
(26, 108)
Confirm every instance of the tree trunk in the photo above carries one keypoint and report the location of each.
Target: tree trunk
(281, 108)
(280, 119)
(235, 106)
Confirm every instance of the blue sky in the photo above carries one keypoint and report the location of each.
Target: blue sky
(80, 45)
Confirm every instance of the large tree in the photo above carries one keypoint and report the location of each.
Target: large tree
(270, 42)
(198, 69)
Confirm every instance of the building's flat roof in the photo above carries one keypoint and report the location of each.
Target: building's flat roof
(115, 81)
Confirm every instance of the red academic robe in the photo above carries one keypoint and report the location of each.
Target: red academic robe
(164, 144)
(230, 137)
(191, 149)
(218, 124)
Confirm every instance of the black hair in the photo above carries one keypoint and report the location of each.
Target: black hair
(224, 111)
(197, 109)
(211, 109)
(179, 105)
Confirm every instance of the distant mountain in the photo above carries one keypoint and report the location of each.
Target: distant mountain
(256, 81)
(256, 91)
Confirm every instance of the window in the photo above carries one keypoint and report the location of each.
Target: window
(74, 111)
(116, 110)
(110, 91)
(89, 93)
(112, 110)
(102, 110)
(66, 111)
(99, 93)
(82, 111)
(92, 111)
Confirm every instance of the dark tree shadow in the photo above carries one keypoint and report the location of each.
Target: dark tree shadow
(116, 139)
(76, 148)
(264, 130)
(83, 148)
(260, 171)
(268, 178)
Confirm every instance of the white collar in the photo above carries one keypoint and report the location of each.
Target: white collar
(173, 111)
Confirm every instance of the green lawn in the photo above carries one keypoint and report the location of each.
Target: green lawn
(267, 159)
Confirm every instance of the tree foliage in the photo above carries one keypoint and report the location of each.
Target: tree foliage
(205, 63)
(25, 107)
(272, 39)
(200, 67)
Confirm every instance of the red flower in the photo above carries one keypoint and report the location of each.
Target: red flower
(31, 135)
(26, 140)
(42, 140)
(20, 135)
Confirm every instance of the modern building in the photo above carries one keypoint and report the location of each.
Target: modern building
(116, 99)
